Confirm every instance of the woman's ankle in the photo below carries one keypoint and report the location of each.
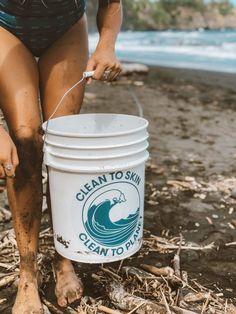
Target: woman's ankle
(28, 265)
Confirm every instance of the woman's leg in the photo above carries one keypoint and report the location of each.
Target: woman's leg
(19, 102)
(60, 68)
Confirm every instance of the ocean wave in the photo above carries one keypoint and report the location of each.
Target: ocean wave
(106, 232)
(206, 50)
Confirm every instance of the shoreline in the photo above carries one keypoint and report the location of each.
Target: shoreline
(192, 128)
(206, 77)
(200, 29)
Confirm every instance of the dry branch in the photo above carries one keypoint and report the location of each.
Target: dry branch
(127, 302)
(178, 310)
(51, 307)
(163, 271)
(107, 310)
(7, 280)
(110, 272)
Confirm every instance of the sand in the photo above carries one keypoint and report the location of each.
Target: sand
(192, 140)
(192, 134)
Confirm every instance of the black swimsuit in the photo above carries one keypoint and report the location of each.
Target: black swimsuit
(39, 23)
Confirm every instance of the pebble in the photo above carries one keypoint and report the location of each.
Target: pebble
(231, 210)
(198, 195)
(189, 179)
(233, 193)
(90, 95)
(138, 83)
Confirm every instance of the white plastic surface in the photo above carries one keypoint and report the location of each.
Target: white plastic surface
(95, 125)
(71, 237)
(102, 141)
(96, 168)
(97, 153)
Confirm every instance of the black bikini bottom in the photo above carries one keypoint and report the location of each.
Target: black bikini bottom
(38, 33)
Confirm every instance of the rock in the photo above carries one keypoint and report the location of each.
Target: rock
(233, 193)
(90, 96)
(129, 68)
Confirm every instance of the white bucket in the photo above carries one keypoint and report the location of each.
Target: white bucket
(96, 152)
(106, 130)
(96, 166)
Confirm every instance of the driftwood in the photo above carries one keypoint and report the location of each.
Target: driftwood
(46, 310)
(196, 297)
(178, 310)
(163, 271)
(127, 302)
(107, 310)
(129, 68)
(2, 301)
(51, 307)
(138, 273)
(7, 280)
(5, 214)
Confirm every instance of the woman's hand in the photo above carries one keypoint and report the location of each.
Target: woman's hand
(105, 64)
(103, 61)
(8, 155)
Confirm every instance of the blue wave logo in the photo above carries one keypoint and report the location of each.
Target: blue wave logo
(100, 226)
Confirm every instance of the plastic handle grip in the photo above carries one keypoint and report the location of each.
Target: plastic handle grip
(88, 74)
(91, 73)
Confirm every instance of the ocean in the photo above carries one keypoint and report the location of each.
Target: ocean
(212, 50)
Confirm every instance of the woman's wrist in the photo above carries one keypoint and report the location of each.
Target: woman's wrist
(107, 40)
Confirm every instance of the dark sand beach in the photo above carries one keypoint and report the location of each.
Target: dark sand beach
(192, 168)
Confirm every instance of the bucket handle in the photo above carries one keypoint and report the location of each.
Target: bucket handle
(85, 75)
(88, 74)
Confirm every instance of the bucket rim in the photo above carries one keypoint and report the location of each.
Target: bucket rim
(93, 135)
(63, 156)
(103, 169)
(72, 147)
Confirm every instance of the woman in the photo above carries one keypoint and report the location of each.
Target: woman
(55, 31)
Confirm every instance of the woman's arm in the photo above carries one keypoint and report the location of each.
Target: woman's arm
(109, 19)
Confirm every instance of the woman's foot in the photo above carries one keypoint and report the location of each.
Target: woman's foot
(69, 287)
(27, 298)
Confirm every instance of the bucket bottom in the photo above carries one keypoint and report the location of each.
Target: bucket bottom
(90, 258)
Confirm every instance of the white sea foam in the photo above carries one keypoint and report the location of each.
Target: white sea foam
(211, 50)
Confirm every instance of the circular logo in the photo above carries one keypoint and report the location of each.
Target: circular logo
(111, 214)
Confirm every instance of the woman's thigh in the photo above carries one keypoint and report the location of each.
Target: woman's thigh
(60, 67)
(18, 86)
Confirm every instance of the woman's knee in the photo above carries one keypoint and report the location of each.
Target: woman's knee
(29, 146)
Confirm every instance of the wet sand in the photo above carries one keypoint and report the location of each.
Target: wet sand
(192, 134)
